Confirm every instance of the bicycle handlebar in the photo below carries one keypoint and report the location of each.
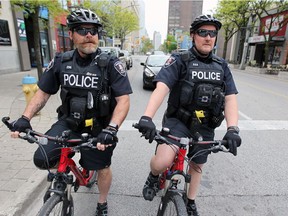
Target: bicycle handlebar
(36, 137)
(215, 145)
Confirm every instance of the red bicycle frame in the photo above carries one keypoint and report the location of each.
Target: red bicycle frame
(176, 166)
(66, 161)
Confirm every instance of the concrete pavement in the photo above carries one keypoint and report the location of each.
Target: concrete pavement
(20, 180)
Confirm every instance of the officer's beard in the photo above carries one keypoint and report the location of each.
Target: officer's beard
(84, 51)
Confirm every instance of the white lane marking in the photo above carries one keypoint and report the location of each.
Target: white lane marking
(257, 125)
(244, 116)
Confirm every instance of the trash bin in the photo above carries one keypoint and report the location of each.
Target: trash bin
(29, 87)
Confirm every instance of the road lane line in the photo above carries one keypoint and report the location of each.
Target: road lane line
(244, 116)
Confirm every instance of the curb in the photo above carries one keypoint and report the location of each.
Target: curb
(24, 196)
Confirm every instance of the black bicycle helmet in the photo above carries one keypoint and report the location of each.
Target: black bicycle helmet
(204, 20)
(82, 16)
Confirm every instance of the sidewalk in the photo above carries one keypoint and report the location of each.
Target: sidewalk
(19, 178)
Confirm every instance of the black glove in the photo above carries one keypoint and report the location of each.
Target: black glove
(21, 124)
(147, 128)
(108, 136)
(233, 140)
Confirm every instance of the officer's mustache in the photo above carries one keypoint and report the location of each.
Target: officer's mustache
(89, 41)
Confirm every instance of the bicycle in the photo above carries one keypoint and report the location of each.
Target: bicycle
(58, 199)
(174, 200)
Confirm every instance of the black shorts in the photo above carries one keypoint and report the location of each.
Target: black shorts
(91, 159)
(177, 128)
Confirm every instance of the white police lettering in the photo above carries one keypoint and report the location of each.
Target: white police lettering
(206, 75)
(81, 81)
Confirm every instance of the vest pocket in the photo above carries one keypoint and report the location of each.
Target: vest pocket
(186, 95)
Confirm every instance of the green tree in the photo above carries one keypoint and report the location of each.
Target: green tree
(117, 21)
(32, 7)
(147, 46)
(170, 43)
(273, 10)
(234, 16)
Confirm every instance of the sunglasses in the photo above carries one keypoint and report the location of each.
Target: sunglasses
(84, 31)
(204, 33)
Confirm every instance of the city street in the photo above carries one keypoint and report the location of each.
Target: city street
(252, 183)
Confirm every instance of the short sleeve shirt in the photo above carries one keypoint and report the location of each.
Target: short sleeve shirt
(118, 77)
(172, 70)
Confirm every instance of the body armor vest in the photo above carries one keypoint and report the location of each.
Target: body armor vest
(201, 89)
(79, 80)
(85, 93)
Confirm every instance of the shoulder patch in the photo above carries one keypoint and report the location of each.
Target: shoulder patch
(51, 64)
(169, 61)
(120, 68)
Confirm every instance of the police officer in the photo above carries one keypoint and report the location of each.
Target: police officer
(202, 93)
(94, 88)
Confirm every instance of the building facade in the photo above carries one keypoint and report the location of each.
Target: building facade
(156, 40)
(17, 50)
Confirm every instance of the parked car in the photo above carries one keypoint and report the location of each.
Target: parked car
(128, 58)
(158, 52)
(117, 52)
(152, 66)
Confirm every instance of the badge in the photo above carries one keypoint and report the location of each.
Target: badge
(169, 61)
(120, 68)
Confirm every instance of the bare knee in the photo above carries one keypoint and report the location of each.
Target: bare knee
(104, 172)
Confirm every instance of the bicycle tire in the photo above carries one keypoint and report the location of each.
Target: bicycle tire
(56, 205)
(172, 204)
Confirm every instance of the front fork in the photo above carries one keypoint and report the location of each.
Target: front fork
(60, 183)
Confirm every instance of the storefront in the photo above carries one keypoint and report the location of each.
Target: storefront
(277, 45)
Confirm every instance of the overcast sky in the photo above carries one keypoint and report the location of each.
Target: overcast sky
(156, 15)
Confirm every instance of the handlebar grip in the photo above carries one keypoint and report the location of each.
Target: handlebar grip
(5, 120)
(135, 125)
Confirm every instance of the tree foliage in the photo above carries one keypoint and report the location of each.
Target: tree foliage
(170, 43)
(147, 46)
(117, 21)
(234, 15)
(31, 9)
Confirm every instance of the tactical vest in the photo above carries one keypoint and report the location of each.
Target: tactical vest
(200, 93)
(82, 88)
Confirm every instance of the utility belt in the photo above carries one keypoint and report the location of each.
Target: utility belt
(195, 118)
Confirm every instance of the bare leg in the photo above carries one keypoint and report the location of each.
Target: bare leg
(104, 180)
(195, 181)
(163, 158)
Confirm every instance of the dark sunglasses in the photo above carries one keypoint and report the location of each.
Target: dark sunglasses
(84, 31)
(204, 33)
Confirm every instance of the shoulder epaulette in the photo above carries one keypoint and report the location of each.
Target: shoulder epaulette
(217, 59)
(67, 55)
(187, 56)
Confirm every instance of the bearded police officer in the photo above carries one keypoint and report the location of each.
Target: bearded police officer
(95, 99)
(202, 93)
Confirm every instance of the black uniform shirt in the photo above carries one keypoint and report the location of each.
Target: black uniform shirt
(118, 78)
(171, 72)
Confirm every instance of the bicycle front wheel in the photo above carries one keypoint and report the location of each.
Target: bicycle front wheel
(56, 205)
(172, 204)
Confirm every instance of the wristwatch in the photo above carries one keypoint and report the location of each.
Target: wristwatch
(113, 125)
(235, 128)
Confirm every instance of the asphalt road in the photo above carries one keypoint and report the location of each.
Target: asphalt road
(253, 183)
